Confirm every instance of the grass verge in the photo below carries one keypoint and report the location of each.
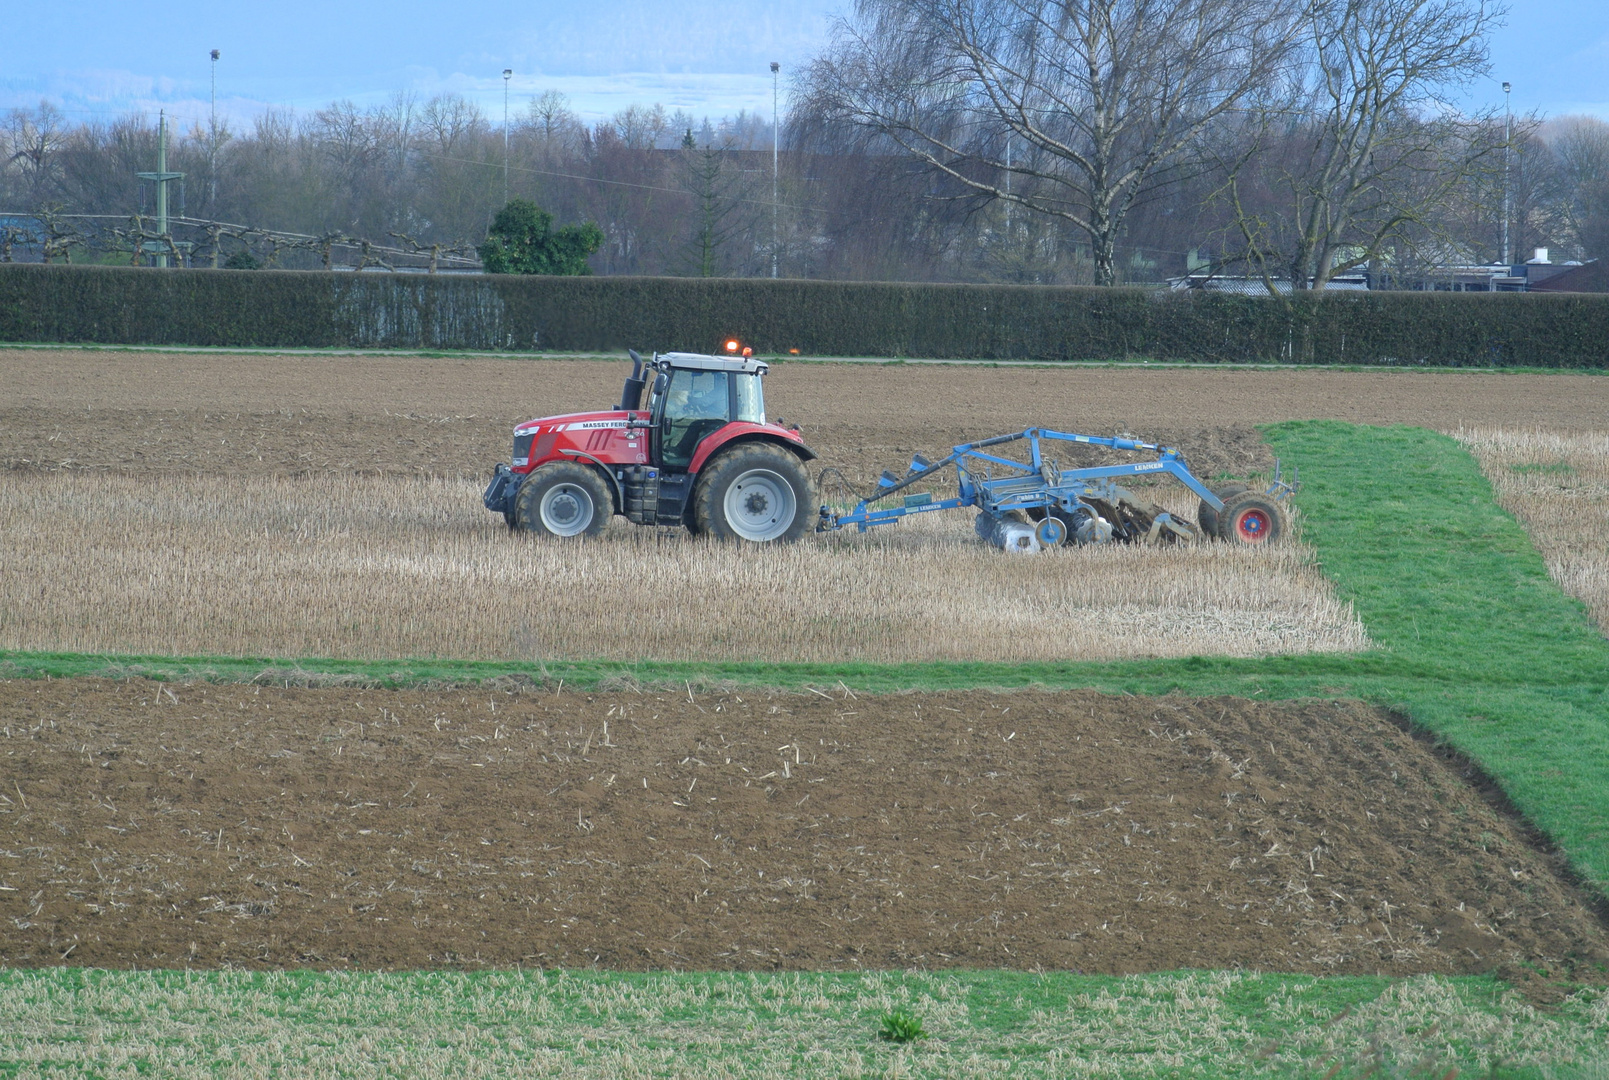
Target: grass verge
(578, 1023)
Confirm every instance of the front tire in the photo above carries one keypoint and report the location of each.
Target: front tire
(756, 492)
(563, 499)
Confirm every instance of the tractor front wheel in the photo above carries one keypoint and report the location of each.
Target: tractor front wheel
(1251, 519)
(757, 492)
(563, 499)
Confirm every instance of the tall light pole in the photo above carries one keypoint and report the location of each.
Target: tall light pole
(212, 143)
(776, 136)
(508, 73)
(1508, 137)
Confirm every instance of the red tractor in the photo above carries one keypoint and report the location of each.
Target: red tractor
(702, 455)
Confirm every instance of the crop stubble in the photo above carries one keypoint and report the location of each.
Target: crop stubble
(371, 568)
(159, 825)
(1557, 485)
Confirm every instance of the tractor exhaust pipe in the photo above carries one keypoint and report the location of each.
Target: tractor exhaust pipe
(631, 393)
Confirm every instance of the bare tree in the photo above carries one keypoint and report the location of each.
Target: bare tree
(29, 143)
(1071, 108)
(554, 127)
(1580, 146)
(1366, 148)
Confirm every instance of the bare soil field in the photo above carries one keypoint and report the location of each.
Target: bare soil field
(219, 413)
(165, 825)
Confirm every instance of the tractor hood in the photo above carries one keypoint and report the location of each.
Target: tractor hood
(580, 421)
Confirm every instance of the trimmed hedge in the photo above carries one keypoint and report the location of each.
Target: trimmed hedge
(297, 309)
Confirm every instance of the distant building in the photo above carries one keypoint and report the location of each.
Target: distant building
(1587, 277)
(1537, 274)
(1248, 285)
(1488, 277)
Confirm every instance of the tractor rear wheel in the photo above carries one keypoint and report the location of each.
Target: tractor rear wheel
(756, 492)
(1251, 519)
(563, 499)
(1207, 517)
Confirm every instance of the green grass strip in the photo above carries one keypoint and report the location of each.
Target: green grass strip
(1477, 644)
(79, 1022)
(1407, 526)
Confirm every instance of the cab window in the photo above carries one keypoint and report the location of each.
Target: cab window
(696, 404)
(750, 401)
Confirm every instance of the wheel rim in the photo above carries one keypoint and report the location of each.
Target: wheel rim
(1051, 531)
(1252, 526)
(566, 509)
(760, 505)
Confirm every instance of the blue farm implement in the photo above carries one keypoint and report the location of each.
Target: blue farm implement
(1029, 505)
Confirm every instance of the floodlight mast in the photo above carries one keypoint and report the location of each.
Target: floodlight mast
(1508, 138)
(508, 73)
(212, 142)
(775, 145)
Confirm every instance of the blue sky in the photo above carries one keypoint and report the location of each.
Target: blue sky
(101, 58)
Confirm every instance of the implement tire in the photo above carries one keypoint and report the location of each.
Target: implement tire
(755, 492)
(1207, 517)
(563, 499)
(1251, 520)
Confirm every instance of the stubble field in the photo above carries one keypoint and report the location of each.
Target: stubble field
(1557, 484)
(297, 506)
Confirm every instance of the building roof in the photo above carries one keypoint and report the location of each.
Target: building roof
(1588, 277)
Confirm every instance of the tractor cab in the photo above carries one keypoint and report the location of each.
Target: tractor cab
(695, 396)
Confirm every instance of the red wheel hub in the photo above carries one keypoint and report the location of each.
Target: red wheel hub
(1252, 526)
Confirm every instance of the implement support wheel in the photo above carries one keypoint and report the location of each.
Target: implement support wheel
(1251, 520)
(1207, 517)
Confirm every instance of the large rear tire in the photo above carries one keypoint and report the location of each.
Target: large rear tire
(1251, 520)
(756, 492)
(563, 499)
(1207, 517)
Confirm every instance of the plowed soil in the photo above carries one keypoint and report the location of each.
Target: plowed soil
(155, 825)
(218, 413)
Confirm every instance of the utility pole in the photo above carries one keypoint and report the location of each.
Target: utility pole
(212, 143)
(508, 73)
(1508, 137)
(776, 136)
(162, 178)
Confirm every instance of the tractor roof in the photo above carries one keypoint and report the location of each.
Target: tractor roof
(701, 362)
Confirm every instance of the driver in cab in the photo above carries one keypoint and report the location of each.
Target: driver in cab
(697, 406)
